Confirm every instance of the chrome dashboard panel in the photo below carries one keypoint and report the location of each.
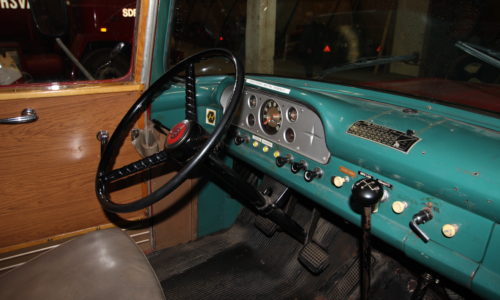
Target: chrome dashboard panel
(298, 127)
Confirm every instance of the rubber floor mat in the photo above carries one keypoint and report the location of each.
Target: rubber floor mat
(242, 263)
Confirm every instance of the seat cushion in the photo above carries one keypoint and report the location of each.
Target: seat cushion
(104, 264)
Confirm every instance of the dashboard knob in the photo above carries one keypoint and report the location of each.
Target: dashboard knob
(367, 191)
(297, 166)
(239, 139)
(338, 181)
(449, 230)
(399, 207)
(309, 175)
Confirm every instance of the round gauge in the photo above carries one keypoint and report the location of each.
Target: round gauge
(270, 117)
(289, 135)
(292, 114)
(252, 101)
(250, 120)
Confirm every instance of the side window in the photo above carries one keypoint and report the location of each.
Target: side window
(95, 43)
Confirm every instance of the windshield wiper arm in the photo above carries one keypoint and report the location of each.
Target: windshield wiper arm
(369, 62)
(486, 55)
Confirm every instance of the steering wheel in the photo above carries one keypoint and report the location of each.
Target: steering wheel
(187, 141)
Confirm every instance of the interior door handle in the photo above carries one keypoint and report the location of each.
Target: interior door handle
(28, 115)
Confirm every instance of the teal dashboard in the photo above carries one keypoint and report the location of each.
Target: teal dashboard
(319, 139)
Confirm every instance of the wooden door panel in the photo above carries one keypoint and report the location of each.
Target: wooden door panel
(47, 168)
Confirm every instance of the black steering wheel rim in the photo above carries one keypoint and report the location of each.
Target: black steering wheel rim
(144, 101)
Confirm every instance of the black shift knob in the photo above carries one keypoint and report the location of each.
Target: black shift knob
(367, 191)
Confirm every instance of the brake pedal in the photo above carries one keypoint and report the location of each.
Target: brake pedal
(313, 257)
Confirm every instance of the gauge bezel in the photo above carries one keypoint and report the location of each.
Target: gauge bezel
(288, 114)
(252, 96)
(270, 130)
(248, 120)
(285, 135)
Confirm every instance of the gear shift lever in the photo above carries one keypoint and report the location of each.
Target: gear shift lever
(367, 192)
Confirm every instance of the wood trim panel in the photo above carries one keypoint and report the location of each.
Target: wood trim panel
(63, 91)
(47, 168)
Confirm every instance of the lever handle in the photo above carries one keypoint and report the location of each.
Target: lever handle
(28, 115)
(420, 218)
(103, 136)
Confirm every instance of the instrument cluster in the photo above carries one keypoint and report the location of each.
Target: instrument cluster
(283, 121)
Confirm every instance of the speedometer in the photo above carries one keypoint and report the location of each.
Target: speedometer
(270, 117)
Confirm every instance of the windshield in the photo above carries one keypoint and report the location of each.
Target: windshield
(445, 51)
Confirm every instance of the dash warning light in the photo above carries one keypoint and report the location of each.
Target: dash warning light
(327, 49)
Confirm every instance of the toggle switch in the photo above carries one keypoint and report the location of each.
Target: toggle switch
(309, 175)
(297, 166)
(283, 160)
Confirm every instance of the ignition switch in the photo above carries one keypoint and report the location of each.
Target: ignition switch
(238, 140)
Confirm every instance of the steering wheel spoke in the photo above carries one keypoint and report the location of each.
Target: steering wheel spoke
(136, 167)
(191, 93)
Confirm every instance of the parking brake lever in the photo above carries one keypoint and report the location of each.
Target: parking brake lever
(420, 218)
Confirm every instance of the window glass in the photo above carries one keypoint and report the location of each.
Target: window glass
(440, 50)
(95, 43)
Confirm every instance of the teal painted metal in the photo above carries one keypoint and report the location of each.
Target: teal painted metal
(216, 209)
(454, 161)
(453, 167)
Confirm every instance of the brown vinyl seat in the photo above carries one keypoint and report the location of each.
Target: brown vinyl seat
(104, 264)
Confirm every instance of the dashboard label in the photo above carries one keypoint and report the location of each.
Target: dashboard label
(257, 138)
(263, 141)
(210, 116)
(268, 86)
